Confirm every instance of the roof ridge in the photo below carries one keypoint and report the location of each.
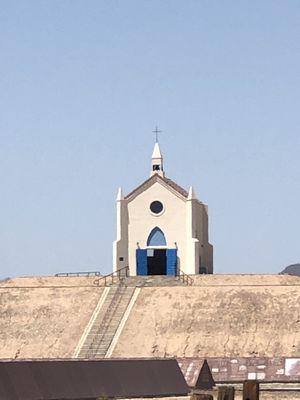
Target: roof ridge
(175, 186)
(157, 177)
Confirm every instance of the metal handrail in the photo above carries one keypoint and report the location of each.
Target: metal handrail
(87, 273)
(185, 278)
(116, 276)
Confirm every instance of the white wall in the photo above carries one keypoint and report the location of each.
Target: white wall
(141, 221)
(182, 221)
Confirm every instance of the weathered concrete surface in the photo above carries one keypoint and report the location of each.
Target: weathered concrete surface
(253, 316)
(43, 321)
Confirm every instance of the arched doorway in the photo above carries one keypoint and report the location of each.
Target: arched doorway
(156, 238)
(156, 255)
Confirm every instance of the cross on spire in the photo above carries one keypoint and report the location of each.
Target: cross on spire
(156, 131)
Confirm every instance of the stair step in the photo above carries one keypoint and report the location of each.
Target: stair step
(106, 323)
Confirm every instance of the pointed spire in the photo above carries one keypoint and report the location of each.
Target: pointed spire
(156, 151)
(120, 195)
(192, 194)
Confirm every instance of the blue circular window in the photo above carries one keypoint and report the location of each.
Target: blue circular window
(156, 207)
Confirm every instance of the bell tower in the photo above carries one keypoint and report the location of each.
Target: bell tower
(157, 166)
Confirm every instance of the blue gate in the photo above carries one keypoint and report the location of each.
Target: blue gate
(142, 264)
(141, 260)
(171, 262)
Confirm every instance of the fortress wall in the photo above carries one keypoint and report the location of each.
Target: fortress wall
(221, 315)
(199, 280)
(44, 322)
(213, 321)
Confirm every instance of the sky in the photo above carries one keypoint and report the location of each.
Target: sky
(84, 83)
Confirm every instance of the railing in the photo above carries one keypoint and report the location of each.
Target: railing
(115, 277)
(185, 278)
(88, 273)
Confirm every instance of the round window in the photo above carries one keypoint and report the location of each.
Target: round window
(156, 207)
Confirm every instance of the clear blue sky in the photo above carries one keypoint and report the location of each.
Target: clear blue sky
(82, 85)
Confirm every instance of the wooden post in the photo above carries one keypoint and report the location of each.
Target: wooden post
(226, 393)
(202, 396)
(251, 390)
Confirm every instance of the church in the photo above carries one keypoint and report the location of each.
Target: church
(162, 229)
(247, 327)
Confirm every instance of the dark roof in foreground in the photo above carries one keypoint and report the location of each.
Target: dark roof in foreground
(205, 379)
(90, 379)
(237, 369)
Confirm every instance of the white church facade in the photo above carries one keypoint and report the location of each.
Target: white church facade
(162, 229)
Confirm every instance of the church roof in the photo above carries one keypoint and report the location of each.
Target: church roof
(156, 178)
(175, 186)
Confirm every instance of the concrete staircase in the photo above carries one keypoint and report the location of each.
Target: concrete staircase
(106, 323)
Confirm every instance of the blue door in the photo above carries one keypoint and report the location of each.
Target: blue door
(172, 262)
(141, 260)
